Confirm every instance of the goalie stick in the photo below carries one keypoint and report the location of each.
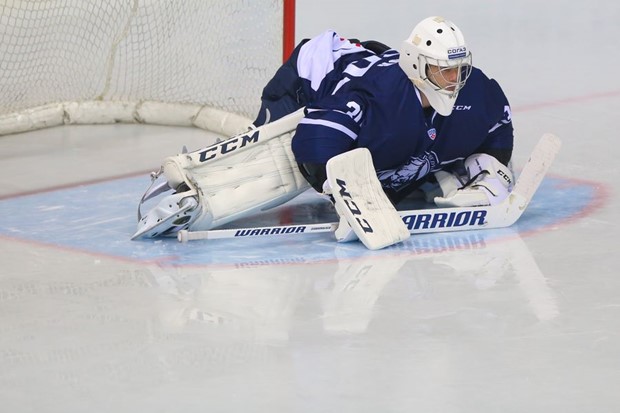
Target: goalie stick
(422, 221)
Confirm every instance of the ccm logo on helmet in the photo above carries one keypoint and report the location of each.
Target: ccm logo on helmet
(456, 52)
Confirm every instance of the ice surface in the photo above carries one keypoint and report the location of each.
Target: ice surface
(524, 319)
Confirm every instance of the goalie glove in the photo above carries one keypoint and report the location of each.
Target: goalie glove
(445, 184)
(490, 182)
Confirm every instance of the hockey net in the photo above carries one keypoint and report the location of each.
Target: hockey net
(194, 62)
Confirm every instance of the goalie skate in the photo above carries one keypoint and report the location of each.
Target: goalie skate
(173, 213)
(230, 179)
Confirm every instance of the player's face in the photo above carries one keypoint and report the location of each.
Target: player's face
(446, 78)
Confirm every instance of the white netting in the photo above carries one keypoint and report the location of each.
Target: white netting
(117, 54)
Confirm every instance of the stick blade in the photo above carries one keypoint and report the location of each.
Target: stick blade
(537, 165)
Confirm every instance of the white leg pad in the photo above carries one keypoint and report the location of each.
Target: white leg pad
(240, 176)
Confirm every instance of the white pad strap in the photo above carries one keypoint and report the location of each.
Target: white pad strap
(359, 198)
(491, 183)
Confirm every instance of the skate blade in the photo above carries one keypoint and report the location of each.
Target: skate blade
(162, 225)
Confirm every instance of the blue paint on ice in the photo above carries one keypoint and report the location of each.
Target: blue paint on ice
(99, 219)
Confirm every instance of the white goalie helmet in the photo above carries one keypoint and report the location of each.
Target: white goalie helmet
(438, 42)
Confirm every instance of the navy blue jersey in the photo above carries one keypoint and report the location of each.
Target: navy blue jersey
(370, 102)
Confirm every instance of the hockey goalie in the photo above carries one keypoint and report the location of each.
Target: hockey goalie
(365, 125)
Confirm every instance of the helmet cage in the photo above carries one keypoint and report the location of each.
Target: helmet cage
(450, 88)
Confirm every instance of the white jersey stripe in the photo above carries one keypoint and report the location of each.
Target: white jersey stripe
(331, 125)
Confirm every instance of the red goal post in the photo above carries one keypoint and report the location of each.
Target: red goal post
(196, 63)
(288, 25)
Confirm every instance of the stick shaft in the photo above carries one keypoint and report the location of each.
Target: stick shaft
(258, 231)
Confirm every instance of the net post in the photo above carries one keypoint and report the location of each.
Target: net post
(288, 30)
